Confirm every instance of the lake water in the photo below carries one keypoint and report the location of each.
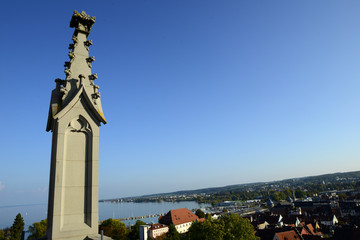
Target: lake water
(37, 212)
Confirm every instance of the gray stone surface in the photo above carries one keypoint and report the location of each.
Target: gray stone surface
(75, 115)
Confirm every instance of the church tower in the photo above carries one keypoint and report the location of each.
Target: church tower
(74, 118)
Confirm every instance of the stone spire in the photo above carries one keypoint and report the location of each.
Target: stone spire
(75, 116)
(78, 76)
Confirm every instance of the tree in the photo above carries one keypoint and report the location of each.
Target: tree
(2, 234)
(5, 233)
(114, 228)
(17, 228)
(237, 227)
(172, 234)
(37, 230)
(299, 193)
(207, 230)
(135, 230)
(230, 226)
(200, 213)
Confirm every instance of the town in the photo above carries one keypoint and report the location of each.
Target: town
(292, 209)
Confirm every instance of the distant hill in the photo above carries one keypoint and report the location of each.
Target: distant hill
(325, 178)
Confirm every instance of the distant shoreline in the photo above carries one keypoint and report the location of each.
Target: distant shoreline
(22, 205)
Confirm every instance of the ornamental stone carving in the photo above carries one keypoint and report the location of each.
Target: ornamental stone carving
(79, 125)
(81, 77)
(71, 46)
(82, 22)
(92, 77)
(75, 40)
(68, 73)
(71, 56)
(90, 60)
(64, 92)
(60, 81)
(87, 44)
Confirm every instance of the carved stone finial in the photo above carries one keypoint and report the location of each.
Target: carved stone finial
(67, 64)
(82, 22)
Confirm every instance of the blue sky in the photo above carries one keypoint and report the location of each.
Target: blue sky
(196, 93)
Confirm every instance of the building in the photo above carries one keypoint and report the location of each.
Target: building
(143, 232)
(182, 219)
(157, 230)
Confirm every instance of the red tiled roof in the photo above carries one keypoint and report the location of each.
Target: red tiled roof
(178, 216)
(311, 229)
(305, 232)
(288, 235)
(157, 226)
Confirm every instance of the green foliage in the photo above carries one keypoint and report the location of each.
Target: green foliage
(237, 227)
(37, 230)
(2, 234)
(342, 196)
(299, 193)
(172, 234)
(114, 228)
(207, 230)
(200, 213)
(135, 233)
(17, 228)
(231, 226)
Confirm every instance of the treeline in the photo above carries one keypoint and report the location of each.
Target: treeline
(15, 231)
(111, 227)
(277, 190)
(308, 190)
(275, 193)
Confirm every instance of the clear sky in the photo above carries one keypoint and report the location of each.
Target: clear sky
(197, 93)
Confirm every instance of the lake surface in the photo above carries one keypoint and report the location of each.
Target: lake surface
(37, 212)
